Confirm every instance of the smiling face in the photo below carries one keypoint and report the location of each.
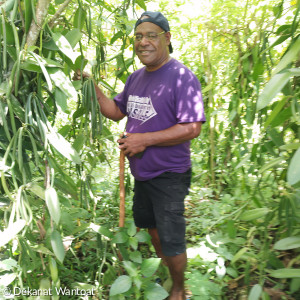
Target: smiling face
(153, 54)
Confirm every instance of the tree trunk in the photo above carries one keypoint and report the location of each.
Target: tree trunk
(36, 26)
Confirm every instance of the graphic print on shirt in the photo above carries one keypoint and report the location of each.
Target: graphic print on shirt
(140, 108)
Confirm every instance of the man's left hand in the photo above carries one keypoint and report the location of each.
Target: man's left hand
(132, 144)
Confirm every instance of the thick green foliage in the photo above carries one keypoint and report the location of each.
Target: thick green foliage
(58, 189)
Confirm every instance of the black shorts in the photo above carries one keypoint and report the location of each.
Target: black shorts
(159, 203)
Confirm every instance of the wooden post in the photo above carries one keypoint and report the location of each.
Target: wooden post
(122, 190)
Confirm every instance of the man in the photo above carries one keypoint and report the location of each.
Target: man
(164, 107)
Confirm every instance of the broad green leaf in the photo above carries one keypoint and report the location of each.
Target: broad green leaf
(120, 238)
(133, 242)
(136, 257)
(63, 147)
(118, 35)
(79, 18)
(292, 146)
(8, 264)
(271, 164)
(255, 292)
(121, 285)
(53, 204)
(64, 46)
(275, 112)
(149, 266)
(289, 57)
(44, 70)
(141, 4)
(274, 86)
(11, 231)
(285, 273)
(155, 292)
(57, 245)
(131, 228)
(239, 254)
(63, 82)
(36, 189)
(102, 230)
(130, 268)
(41, 249)
(28, 14)
(254, 214)
(61, 99)
(143, 237)
(293, 174)
(6, 280)
(73, 36)
(288, 243)
(79, 142)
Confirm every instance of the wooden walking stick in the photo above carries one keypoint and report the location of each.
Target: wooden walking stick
(122, 189)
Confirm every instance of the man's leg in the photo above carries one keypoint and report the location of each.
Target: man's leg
(156, 244)
(176, 265)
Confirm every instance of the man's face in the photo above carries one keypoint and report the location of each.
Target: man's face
(152, 53)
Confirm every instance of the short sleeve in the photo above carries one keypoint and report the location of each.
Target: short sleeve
(189, 101)
(122, 98)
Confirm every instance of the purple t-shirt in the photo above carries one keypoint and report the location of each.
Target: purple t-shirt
(155, 101)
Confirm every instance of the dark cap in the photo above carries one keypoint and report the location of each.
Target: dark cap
(156, 18)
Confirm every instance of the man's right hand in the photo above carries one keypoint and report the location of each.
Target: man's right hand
(78, 75)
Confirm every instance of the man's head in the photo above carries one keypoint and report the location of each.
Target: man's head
(152, 40)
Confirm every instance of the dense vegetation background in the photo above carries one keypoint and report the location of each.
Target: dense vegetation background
(59, 159)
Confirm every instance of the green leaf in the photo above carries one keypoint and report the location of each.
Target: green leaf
(254, 214)
(155, 292)
(143, 237)
(79, 142)
(274, 86)
(285, 273)
(118, 35)
(57, 245)
(136, 257)
(293, 174)
(44, 70)
(141, 4)
(37, 190)
(64, 46)
(130, 268)
(102, 230)
(149, 266)
(288, 243)
(61, 99)
(239, 254)
(63, 147)
(9, 233)
(8, 264)
(53, 204)
(79, 18)
(131, 228)
(255, 292)
(121, 285)
(63, 82)
(73, 36)
(272, 163)
(289, 57)
(120, 238)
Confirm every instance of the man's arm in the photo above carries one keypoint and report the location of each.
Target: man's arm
(108, 107)
(177, 134)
